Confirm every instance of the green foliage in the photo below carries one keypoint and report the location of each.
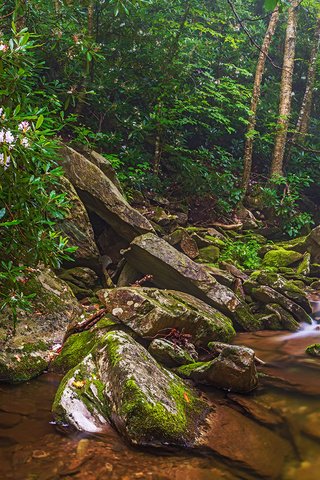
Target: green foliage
(30, 202)
(282, 195)
(242, 254)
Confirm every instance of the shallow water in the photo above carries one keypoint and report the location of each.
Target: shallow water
(32, 449)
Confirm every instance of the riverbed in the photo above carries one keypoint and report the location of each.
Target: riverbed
(286, 407)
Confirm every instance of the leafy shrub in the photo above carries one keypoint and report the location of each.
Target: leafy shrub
(242, 254)
(30, 202)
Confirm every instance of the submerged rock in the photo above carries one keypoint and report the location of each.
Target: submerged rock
(170, 354)
(149, 311)
(101, 196)
(120, 382)
(313, 350)
(172, 269)
(27, 353)
(233, 369)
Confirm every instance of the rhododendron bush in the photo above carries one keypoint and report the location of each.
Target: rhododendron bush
(30, 200)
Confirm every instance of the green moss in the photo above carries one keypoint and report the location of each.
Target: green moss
(35, 347)
(149, 419)
(209, 254)
(28, 367)
(187, 370)
(281, 257)
(75, 349)
(313, 350)
(304, 266)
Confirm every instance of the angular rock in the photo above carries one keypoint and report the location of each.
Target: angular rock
(101, 196)
(312, 244)
(105, 166)
(172, 269)
(121, 382)
(233, 370)
(286, 287)
(28, 353)
(149, 311)
(265, 294)
(209, 254)
(77, 227)
(304, 266)
(82, 281)
(172, 355)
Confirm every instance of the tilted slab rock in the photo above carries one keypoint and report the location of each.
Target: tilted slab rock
(233, 369)
(101, 196)
(172, 269)
(77, 227)
(121, 382)
(149, 311)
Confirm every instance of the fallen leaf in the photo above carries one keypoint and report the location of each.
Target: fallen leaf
(79, 383)
(185, 396)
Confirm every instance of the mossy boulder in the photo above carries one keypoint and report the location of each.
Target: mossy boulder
(209, 254)
(288, 288)
(170, 354)
(233, 369)
(27, 352)
(149, 311)
(121, 383)
(304, 266)
(172, 269)
(281, 257)
(313, 350)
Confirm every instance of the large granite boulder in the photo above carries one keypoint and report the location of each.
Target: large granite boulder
(149, 311)
(77, 228)
(27, 352)
(121, 383)
(172, 269)
(101, 196)
(233, 369)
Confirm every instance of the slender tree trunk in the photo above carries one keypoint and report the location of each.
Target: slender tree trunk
(20, 14)
(90, 18)
(247, 161)
(306, 107)
(285, 91)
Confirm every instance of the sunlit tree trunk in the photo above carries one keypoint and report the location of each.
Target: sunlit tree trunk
(306, 107)
(247, 161)
(285, 91)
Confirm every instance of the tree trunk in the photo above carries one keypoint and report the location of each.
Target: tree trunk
(90, 18)
(285, 91)
(247, 161)
(306, 107)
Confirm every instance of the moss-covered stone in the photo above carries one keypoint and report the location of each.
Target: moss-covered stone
(281, 258)
(119, 381)
(233, 369)
(170, 354)
(304, 266)
(208, 254)
(313, 350)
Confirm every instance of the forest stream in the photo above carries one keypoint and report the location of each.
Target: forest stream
(33, 449)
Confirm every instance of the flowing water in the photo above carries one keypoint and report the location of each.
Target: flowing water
(31, 448)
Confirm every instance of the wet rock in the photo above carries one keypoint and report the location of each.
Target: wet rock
(233, 369)
(311, 425)
(284, 286)
(313, 350)
(101, 196)
(282, 319)
(257, 411)
(265, 294)
(149, 311)
(250, 445)
(170, 354)
(82, 281)
(121, 382)
(281, 257)
(77, 227)
(27, 353)
(172, 269)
